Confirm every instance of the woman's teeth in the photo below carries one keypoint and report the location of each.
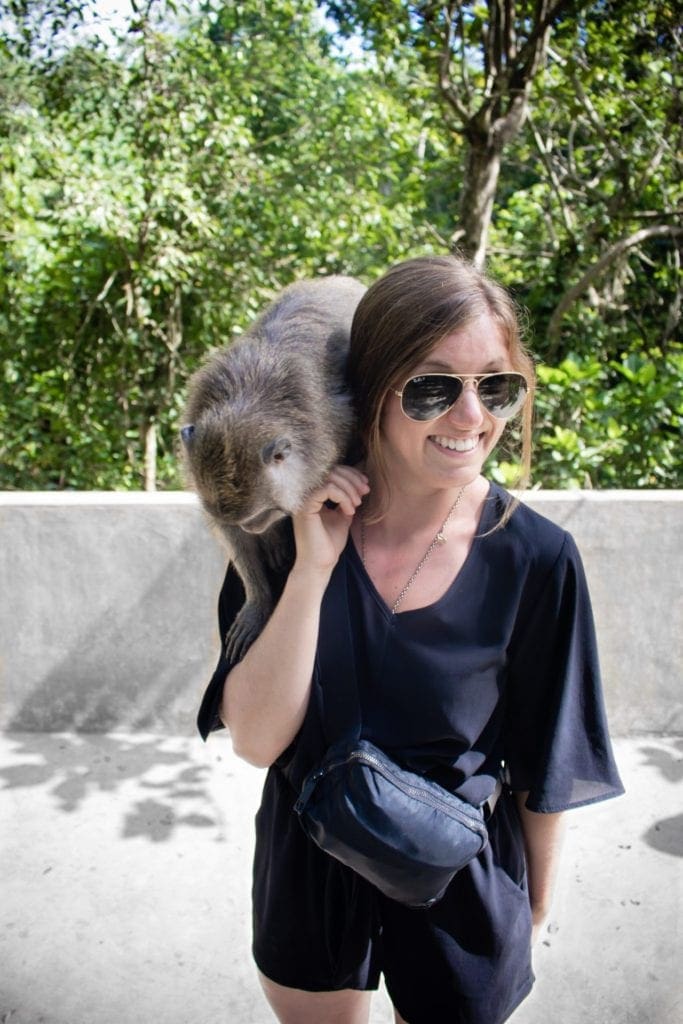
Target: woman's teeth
(465, 444)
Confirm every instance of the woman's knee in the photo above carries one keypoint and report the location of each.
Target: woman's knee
(296, 1006)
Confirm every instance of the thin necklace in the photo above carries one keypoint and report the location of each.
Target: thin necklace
(440, 538)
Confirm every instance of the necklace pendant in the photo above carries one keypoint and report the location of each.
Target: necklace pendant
(440, 538)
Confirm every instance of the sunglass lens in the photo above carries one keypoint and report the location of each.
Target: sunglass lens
(503, 394)
(430, 396)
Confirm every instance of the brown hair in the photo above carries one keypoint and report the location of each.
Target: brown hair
(404, 315)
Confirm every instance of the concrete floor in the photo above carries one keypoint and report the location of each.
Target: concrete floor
(124, 892)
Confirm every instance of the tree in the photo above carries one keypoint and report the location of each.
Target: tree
(587, 232)
(157, 194)
(483, 59)
(156, 191)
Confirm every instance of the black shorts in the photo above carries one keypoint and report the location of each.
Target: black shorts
(319, 927)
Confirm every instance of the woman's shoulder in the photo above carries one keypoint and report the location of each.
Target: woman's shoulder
(536, 537)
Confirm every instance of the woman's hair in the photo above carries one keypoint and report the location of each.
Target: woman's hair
(404, 315)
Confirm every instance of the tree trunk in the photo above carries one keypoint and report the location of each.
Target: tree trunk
(513, 46)
(477, 197)
(151, 457)
(594, 272)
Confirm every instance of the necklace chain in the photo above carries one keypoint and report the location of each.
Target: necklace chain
(440, 538)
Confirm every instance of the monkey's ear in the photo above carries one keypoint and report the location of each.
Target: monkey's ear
(276, 451)
(187, 433)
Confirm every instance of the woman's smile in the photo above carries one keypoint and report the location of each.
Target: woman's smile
(456, 444)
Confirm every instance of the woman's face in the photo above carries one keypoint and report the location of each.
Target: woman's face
(449, 451)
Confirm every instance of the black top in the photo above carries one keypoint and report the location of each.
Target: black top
(502, 667)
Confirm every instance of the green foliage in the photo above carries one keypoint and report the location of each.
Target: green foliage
(154, 198)
(599, 163)
(157, 190)
(610, 425)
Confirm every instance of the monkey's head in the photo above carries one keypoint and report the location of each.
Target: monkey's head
(246, 473)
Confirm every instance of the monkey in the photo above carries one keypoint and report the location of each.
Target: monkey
(266, 419)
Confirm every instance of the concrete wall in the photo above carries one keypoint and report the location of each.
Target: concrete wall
(108, 607)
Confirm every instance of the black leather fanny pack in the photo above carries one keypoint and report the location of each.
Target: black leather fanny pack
(402, 832)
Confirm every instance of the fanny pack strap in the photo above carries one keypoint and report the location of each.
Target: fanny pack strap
(336, 662)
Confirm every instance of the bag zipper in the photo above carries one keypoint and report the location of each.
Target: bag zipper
(415, 791)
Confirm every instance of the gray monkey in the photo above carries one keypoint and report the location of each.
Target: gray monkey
(267, 418)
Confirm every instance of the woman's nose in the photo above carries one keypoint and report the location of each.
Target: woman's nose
(467, 411)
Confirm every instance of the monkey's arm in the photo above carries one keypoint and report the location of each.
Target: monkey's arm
(249, 555)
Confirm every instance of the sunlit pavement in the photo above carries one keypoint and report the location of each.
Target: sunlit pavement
(124, 892)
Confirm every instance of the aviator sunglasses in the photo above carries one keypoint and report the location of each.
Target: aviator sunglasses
(430, 395)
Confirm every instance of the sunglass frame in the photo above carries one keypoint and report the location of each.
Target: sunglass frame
(466, 378)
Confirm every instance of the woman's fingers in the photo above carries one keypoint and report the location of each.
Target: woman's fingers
(345, 488)
(321, 527)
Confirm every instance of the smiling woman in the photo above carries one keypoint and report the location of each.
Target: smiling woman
(431, 322)
(462, 624)
(449, 447)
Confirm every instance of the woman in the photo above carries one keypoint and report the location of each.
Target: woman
(471, 637)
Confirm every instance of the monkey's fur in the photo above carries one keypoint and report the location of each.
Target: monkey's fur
(267, 418)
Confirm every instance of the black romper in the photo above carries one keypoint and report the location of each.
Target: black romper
(502, 668)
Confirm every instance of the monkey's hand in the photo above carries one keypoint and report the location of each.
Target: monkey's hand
(248, 624)
(279, 549)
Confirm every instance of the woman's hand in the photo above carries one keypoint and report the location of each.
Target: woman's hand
(321, 531)
(538, 921)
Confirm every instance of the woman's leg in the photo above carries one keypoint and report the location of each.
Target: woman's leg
(294, 1006)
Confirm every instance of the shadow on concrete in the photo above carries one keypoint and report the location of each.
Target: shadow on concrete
(666, 835)
(100, 684)
(668, 761)
(159, 787)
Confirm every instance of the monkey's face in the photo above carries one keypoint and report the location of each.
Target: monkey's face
(245, 476)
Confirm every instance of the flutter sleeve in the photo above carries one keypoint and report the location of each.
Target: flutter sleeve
(230, 601)
(557, 744)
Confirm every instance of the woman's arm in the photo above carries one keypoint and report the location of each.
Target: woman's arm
(543, 837)
(266, 695)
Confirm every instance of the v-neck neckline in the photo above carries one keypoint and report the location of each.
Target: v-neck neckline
(482, 527)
